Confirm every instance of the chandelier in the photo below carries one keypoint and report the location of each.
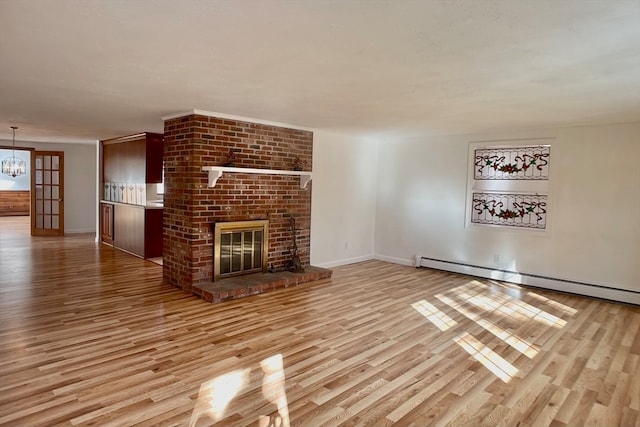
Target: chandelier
(14, 166)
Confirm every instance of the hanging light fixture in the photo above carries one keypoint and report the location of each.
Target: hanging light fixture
(14, 166)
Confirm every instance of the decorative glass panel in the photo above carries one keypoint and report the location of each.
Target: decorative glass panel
(39, 177)
(47, 177)
(246, 251)
(54, 207)
(47, 162)
(55, 177)
(47, 207)
(55, 192)
(257, 249)
(47, 192)
(236, 257)
(38, 162)
(39, 221)
(47, 221)
(512, 163)
(225, 253)
(514, 210)
(39, 207)
(55, 222)
(55, 162)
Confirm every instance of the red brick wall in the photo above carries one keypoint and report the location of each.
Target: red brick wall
(190, 206)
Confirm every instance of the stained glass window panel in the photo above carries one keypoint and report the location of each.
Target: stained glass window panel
(513, 210)
(512, 163)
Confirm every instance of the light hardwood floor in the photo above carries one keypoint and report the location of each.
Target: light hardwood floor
(90, 336)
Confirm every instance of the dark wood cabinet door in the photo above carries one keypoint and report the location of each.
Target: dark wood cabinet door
(128, 230)
(106, 221)
(154, 149)
(133, 159)
(153, 233)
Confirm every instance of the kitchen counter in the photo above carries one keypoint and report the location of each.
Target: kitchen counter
(149, 205)
(155, 205)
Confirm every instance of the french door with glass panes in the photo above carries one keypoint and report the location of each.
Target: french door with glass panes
(47, 193)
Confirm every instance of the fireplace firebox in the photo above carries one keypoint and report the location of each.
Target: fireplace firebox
(240, 247)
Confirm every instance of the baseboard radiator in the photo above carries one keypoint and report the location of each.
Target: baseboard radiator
(570, 286)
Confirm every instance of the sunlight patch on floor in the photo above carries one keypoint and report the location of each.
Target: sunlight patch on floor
(511, 307)
(514, 341)
(435, 316)
(215, 395)
(569, 310)
(493, 298)
(489, 358)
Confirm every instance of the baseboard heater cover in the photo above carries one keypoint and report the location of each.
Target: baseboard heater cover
(563, 285)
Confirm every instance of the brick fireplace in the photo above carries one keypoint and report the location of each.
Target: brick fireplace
(191, 207)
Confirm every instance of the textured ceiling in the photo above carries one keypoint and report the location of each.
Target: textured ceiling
(88, 69)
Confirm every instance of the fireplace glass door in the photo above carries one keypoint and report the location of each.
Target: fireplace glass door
(240, 248)
(241, 251)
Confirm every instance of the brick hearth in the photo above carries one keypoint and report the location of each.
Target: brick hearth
(253, 284)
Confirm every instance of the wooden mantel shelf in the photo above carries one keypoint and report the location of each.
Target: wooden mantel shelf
(215, 172)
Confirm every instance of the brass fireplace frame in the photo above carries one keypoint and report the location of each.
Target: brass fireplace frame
(238, 226)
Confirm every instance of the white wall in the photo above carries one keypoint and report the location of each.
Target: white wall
(594, 220)
(343, 200)
(80, 187)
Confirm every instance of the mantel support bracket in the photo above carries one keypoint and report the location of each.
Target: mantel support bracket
(304, 180)
(214, 176)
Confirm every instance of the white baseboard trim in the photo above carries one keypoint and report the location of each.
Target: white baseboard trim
(80, 231)
(338, 263)
(562, 285)
(394, 260)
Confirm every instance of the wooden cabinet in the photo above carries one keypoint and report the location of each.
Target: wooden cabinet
(131, 226)
(106, 223)
(137, 230)
(133, 159)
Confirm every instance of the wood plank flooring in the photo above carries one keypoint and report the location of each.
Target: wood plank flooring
(90, 336)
